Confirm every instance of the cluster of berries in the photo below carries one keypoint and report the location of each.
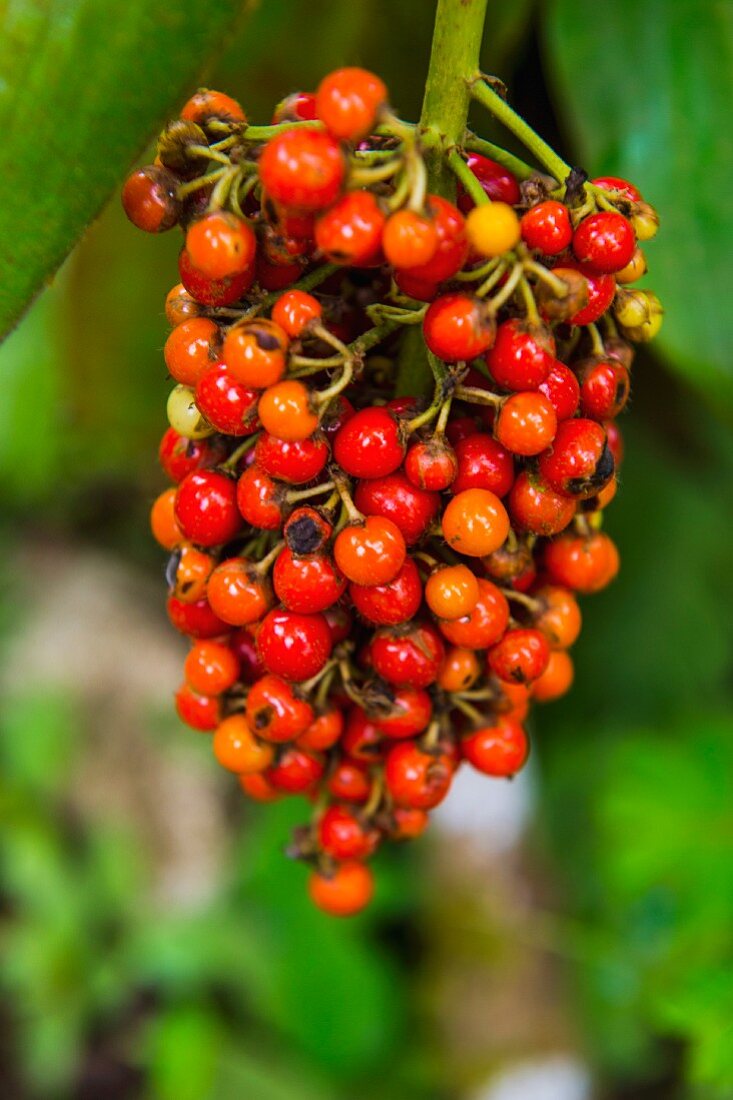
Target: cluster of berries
(377, 586)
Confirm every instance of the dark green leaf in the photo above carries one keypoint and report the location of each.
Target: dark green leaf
(83, 86)
(647, 87)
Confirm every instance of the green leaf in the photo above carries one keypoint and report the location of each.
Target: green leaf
(647, 91)
(83, 87)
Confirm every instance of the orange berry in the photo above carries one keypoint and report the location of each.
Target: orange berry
(237, 749)
(192, 572)
(163, 522)
(191, 348)
(348, 890)
(557, 678)
(409, 239)
(256, 353)
(211, 667)
(285, 411)
(452, 591)
(475, 522)
(460, 670)
(220, 245)
(237, 593)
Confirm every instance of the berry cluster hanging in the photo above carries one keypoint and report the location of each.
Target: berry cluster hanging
(377, 582)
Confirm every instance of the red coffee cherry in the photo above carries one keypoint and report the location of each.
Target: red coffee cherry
(391, 603)
(521, 357)
(302, 169)
(229, 406)
(260, 499)
(484, 625)
(256, 352)
(371, 552)
(562, 389)
(348, 102)
(547, 227)
(344, 835)
(275, 712)
(458, 326)
(220, 245)
(295, 311)
(409, 239)
(452, 591)
(180, 456)
(499, 750)
(483, 464)
(296, 462)
(520, 657)
(286, 412)
(211, 668)
(556, 680)
(308, 584)
(296, 771)
(410, 714)
(431, 464)
(584, 563)
(604, 388)
(475, 522)
(149, 199)
(200, 712)
(415, 779)
(208, 104)
(580, 462)
(526, 423)
(369, 444)
(213, 292)
(451, 250)
(408, 656)
(293, 645)
(496, 180)
(206, 507)
(343, 892)
(191, 348)
(238, 592)
(397, 499)
(600, 290)
(298, 107)
(538, 509)
(605, 241)
(238, 750)
(196, 619)
(559, 617)
(350, 232)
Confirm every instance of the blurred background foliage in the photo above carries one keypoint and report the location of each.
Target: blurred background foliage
(113, 986)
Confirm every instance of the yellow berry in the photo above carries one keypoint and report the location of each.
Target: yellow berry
(493, 228)
(184, 416)
(635, 268)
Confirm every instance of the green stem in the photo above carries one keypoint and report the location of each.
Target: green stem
(453, 62)
(501, 110)
(517, 167)
(264, 133)
(470, 182)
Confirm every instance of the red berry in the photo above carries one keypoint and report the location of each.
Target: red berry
(206, 507)
(547, 227)
(211, 667)
(604, 388)
(201, 712)
(562, 389)
(285, 411)
(486, 622)
(369, 444)
(306, 531)
(350, 232)
(324, 731)
(149, 199)
(220, 245)
(580, 462)
(409, 239)
(275, 712)
(483, 464)
(180, 456)
(499, 750)
(307, 584)
(256, 352)
(208, 104)
(213, 292)
(371, 552)
(520, 657)
(349, 781)
(408, 657)
(302, 169)
(295, 770)
(191, 348)
(348, 102)
(458, 326)
(391, 603)
(195, 619)
(451, 250)
(397, 499)
(601, 290)
(260, 500)
(521, 356)
(621, 186)
(475, 522)
(295, 310)
(584, 563)
(298, 107)
(605, 241)
(416, 779)
(228, 406)
(535, 507)
(238, 592)
(410, 714)
(526, 423)
(295, 462)
(293, 645)
(431, 464)
(344, 892)
(343, 835)
(496, 180)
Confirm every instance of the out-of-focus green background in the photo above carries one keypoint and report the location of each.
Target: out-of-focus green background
(155, 942)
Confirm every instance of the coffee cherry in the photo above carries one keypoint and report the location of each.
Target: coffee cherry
(350, 232)
(200, 712)
(580, 462)
(298, 107)
(499, 750)
(484, 625)
(302, 169)
(407, 824)
(197, 620)
(409, 716)
(457, 326)
(483, 464)
(191, 348)
(227, 405)
(599, 292)
(285, 411)
(308, 584)
(395, 498)
(238, 750)
(188, 572)
(295, 462)
(562, 389)
(180, 306)
(409, 240)
(432, 464)
(452, 592)
(538, 509)
(547, 227)
(208, 104)
(415, 779)
(451, 250)
(348, 102)
(520, 657)
(497, 182)
(349, 781)
(346, 891)
(275, 712)
(584, 563)
(362, 741)
(211, 668)
(408, 656)
(296, 771)
(306, 531)
(343, 835)
(238, 593)
(391, 603)
(324, 731)
(492, 229)
(149, 199)
(206, 507)
(460, 670)
(371, 552)
(556, 680)
(256, 352)
(293, 645)
(179, 455)
(220, 245)
(619, 187)
(526, 423)
(163, 523)
(213, 292)
(559, 618)
(605, 241)
(475, 522)
(260, 499)
(295, 311)
(369, 444)
(521, 357)
(604, 388)
(258, 787)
